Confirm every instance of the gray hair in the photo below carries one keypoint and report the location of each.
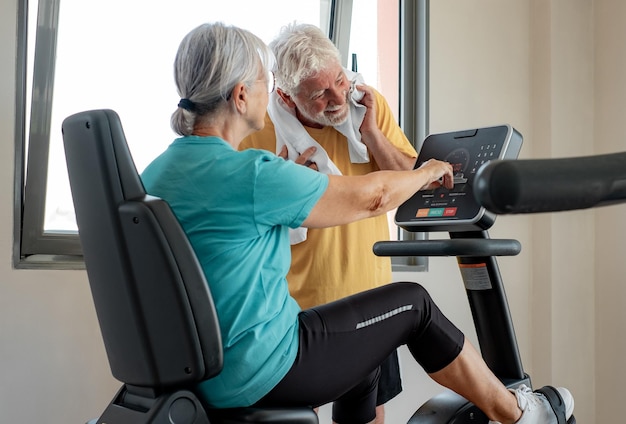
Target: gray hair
(301, 50)
(210, 61)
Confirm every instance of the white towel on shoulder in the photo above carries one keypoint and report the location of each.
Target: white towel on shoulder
(291, 133)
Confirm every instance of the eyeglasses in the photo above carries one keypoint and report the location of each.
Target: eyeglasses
(270, 80)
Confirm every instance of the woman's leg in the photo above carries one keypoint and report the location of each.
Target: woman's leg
(469, 376)
(342, 343)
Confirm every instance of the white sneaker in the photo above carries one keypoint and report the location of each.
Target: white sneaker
(537, 409)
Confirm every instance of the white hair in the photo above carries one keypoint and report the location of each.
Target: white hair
(210, 61)
(301, 50)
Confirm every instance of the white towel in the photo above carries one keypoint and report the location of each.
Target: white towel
(291, 133)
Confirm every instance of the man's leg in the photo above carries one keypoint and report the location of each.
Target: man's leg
(380, 415)
(389, 386)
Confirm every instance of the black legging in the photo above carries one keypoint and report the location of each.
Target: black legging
(342, 344)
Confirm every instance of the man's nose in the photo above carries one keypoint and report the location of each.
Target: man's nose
(339, 95)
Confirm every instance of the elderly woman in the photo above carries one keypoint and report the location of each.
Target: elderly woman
(236, 208)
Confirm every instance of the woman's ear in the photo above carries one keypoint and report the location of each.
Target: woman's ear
(240, 97)
(286, 98)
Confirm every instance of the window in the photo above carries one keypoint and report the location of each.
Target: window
(119, 55)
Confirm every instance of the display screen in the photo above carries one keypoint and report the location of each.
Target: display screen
(466, 151)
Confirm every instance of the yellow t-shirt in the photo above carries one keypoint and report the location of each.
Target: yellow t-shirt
(338, 261)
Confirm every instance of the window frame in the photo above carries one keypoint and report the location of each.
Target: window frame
(414, 100)
(36, 248)
(20, 119)
(40, 246)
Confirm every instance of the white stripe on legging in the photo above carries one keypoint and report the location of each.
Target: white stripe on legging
(384, 316)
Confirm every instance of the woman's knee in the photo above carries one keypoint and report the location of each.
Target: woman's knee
(414, 291)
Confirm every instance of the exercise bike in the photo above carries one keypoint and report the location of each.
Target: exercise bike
(150, 292)
(457, 212)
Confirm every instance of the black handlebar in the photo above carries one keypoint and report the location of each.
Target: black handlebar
(453, 247)
(549, 185)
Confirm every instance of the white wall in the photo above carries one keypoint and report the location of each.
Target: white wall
(562, 308)
(554, 69)
(610, 270)
(52, 363)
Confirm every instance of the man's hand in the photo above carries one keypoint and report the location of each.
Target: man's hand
(369, 101)
(385, 154)
(303, 159)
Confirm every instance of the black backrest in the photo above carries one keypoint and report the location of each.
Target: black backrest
(155, 312)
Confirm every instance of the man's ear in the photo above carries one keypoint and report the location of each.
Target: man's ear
(286, 98)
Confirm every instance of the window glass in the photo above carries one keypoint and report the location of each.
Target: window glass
(374, 43)
(374, 46)
(118, 54)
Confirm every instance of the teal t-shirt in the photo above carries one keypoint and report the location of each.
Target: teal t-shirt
(236, 208)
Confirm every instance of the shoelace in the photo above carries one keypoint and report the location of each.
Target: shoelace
(526, 399)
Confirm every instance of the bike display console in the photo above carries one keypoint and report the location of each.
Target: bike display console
(457, 209)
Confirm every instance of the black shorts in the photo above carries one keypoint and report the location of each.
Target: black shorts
(343, 343)
(390, 382)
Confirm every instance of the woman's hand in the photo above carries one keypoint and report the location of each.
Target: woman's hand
(440, 174)
(350, 198)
